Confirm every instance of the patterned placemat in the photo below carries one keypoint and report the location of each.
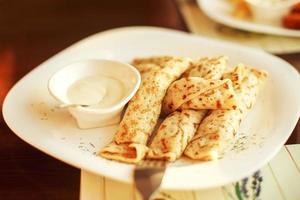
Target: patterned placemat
(278, 180)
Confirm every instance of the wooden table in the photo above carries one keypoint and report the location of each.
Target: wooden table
(32, 31)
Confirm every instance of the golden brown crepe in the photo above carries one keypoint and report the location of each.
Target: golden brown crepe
(146, 64)
(142, 113)
(179, 127)
(208, 68)
(216, 133)
(174, 134)
(199, 93)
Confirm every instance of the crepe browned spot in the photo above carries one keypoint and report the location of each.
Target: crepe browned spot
(142, 113)
(179, 127)
(217, 132)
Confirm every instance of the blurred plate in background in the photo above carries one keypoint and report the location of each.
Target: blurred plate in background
(198, 23)
(220, 11)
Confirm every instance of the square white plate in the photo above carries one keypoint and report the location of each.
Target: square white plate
(33, 115)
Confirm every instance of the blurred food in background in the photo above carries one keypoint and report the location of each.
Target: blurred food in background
(292, 19)
(240, 9)
(283, 12)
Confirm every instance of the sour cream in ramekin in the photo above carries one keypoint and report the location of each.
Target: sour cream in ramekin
(95, 91)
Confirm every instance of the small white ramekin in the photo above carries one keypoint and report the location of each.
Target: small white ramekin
(269, 13)
(91, 117)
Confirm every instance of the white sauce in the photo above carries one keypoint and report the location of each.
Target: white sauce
(99, 91)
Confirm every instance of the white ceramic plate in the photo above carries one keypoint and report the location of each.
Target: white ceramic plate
(32, 114)
(219, 10)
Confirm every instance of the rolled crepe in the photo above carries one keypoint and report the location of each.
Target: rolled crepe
(179, 127)
(174, 134)
(198, 93)
(142, 113)
(208, 68)
(217, 132)
(146, 64)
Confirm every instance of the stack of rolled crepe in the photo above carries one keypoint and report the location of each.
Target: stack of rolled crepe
(179, 127)
(187, 128)
(217, 132)
(142, 113)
